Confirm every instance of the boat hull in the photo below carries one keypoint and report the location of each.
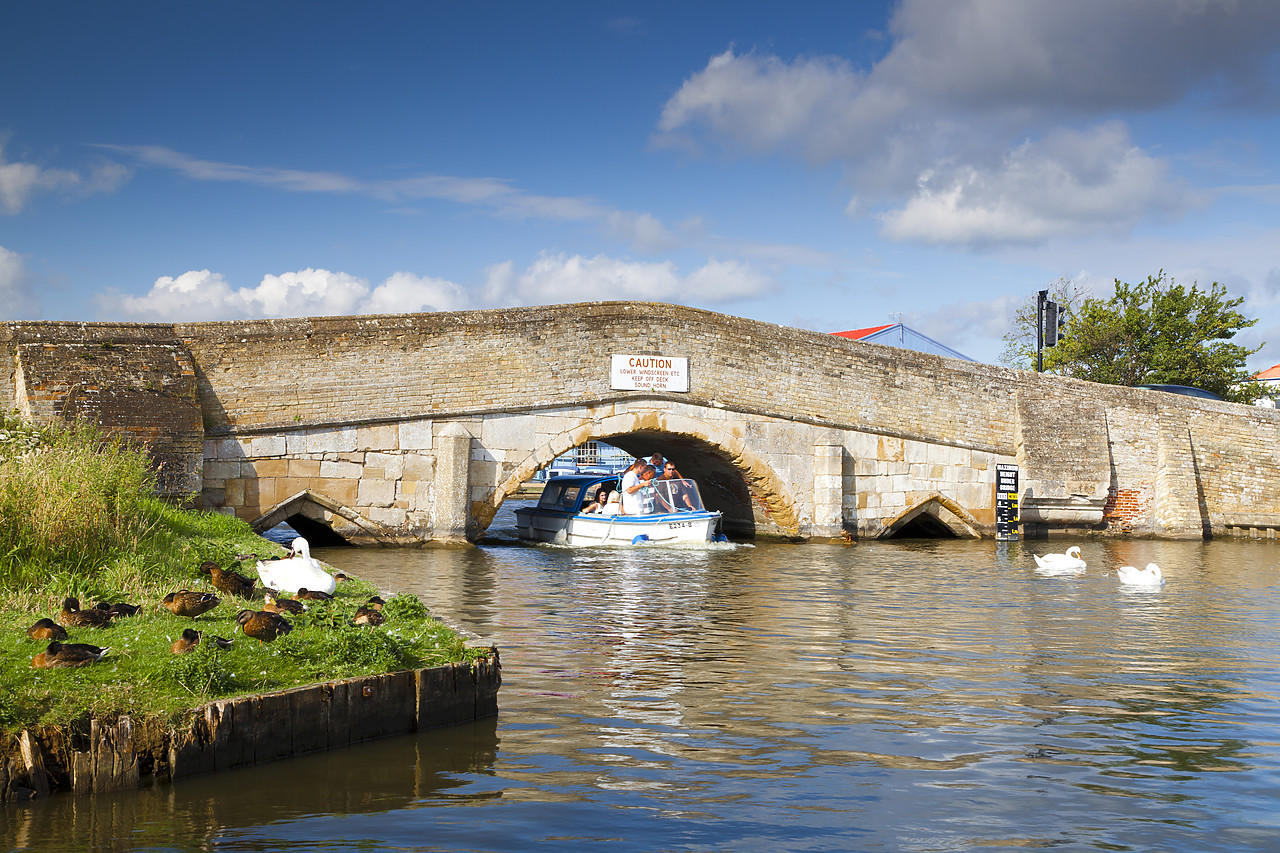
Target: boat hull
(540, 525)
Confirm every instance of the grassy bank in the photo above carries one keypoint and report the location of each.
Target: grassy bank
(78, 517)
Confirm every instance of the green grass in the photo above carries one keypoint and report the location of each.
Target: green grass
(78, 518)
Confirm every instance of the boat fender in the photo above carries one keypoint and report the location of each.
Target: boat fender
(643, 537)
(719, 537)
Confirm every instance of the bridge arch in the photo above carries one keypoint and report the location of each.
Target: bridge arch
(732, 477)
(935, 515)
(321, 520)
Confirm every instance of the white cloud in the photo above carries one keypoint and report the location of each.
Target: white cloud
(558, 278)
(406, 293)
(962, 132)
(204, 295)
(18, 298)
(1066, 183)
(20, 182)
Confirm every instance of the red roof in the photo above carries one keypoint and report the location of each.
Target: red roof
(857, 334)
(1272, 372)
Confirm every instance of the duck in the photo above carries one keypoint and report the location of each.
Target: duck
(187, 642)
(368, 616)
(68, 654)
(305, 594)
(1070, 560)
(375, 601)
(263, 625)
(281, 605)
(119, 608)
(184, 602)
(1150, 576)
(226, 580)
(47, 629)
(73, 616)
(297, 571)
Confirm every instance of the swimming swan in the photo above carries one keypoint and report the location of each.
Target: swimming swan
(1069, 560)
(1150, 576)
(296, 571)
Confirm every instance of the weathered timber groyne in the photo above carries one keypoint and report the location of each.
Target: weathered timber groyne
(95, 755)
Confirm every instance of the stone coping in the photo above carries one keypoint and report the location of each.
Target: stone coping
(123, 753)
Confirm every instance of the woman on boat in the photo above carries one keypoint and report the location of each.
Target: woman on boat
(602, 500)
(638, 498)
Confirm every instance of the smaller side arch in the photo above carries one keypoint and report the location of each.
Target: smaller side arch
(955, 518)
(317, 510)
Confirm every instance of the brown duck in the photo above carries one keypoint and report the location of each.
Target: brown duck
(184, 602)
(119, 609)
(226, 580)
(68, 654)
(368, 616)
(263, 625)
(187, 642)
(73, 616)
(375, 601)
(313, 595)
(47, 629)
(272, 604)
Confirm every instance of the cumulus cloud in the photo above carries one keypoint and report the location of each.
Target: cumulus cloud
(20, 182)
(204, 295)
(959, 132)
(18, 297)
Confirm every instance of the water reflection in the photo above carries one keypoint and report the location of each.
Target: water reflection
(905, 696)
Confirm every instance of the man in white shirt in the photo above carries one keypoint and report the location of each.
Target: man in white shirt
(637, 491)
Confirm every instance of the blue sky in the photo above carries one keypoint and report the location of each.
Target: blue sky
(822, 165)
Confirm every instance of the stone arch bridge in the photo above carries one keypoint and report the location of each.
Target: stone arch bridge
(410, 428)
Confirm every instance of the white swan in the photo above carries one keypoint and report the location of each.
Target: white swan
(297, 571)
(1150, 576)
(1061, 562)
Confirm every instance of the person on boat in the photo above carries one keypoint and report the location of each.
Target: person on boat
(639, 497)
(614, 506)
(602, 499)
(631, 476)
(674, 494)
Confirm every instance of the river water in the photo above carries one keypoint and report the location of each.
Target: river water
(903, 696)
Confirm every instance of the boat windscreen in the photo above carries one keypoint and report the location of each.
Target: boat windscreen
(559, 496)
(677, 496)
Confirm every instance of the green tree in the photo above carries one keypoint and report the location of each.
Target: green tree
(1158, 331)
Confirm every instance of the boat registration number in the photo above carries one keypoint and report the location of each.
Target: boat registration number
(676, 525)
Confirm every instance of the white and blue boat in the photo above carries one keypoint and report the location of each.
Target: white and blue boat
(559, 518)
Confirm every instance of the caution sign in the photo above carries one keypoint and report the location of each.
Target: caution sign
(648, 373)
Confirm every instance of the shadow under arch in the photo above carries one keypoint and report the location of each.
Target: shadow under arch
(322, 521)
(937, 516)
(731, 478)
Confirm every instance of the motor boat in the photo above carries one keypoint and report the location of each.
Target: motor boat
(558, 517)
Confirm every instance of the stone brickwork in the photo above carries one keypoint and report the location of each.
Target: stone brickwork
(415, 427)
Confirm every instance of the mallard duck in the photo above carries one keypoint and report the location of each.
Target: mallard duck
(305, 594)
(263, 625)
(73, 616)
(368, 616)
(47, 629)
(119, 609)
(184, 602)
(68, 654)
(271, 604)
(187, 642)
(375, 601)
(226, 580)
(341, 577)
(1150, 576)
(297, 571)
(1070, 560)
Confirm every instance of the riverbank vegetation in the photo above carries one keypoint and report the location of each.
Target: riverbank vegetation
(79, 518)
